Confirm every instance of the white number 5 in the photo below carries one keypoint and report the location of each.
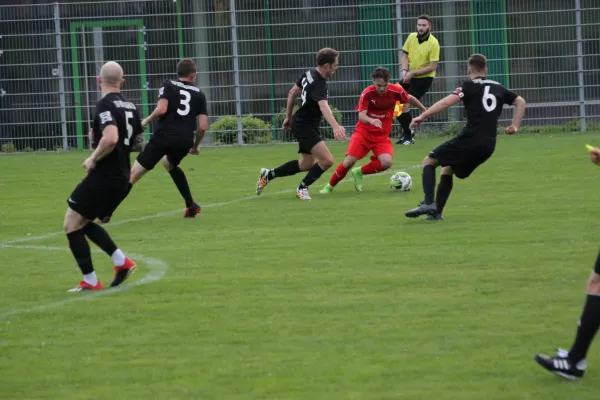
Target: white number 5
(489, 100)
(128, 117)
(185, 102)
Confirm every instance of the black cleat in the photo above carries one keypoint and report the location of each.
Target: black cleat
(561, 366)
(191, 212)
(421, 210)
(436, 216)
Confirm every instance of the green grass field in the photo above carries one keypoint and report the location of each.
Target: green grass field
(341, 297)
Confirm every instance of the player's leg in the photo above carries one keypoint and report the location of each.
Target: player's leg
(83, 206)
(324, 162)
(443, 192)
(571, 364)
(428, 206)
(405, 118)
(123, 266)
(383, 154)
(171, 163)
(418, 88)
(145, 161)
(358, 148)
(291, 167)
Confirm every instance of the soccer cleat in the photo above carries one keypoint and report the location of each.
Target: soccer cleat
(436, 216)
(421, 210)
(303, 194)
(123, 272)
(263, 180)
(561, 366)
(191, 212)
(104, 220)
(84, 286)
(327, 189)
(358, 176)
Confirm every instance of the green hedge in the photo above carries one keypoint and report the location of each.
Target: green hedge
(254, 130)
(326, 130)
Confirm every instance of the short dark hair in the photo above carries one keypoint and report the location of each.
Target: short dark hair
(326, 56)
(381, 72)
(478, 62)
(425, 17)
(186, 67)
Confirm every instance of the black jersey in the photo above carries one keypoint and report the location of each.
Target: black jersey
(483, 100)
(186, 102)
(314, 89)
(113, 109)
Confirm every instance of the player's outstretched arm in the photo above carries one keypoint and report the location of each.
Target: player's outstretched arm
(413, 101)
(159, 111)
(339, 132)
(440, 106)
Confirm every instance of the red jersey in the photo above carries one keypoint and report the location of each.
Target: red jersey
(380, 107)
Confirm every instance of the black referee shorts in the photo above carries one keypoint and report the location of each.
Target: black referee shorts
(307, 138)
(417, 87)
(160, 145)
(95, 196)
(462, 155)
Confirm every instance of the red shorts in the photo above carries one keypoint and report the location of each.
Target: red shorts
(361, 144)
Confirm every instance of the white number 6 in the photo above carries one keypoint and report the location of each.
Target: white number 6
(489, 100)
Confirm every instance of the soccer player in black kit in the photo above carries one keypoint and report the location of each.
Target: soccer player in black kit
(571, 364)
(483, 100)
(182, 122)
(312, 88)
(116, 125)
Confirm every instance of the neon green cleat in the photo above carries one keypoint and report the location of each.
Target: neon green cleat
(327, 189)
(358, 176)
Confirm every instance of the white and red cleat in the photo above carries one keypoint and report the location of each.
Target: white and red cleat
(83, 286)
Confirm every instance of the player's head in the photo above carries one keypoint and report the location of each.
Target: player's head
(327, 62)
(111, 76)
(186, 70)
(423, 25)
(477, 65)
(381, 77)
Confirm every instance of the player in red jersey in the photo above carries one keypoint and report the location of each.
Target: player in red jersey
(375, 115)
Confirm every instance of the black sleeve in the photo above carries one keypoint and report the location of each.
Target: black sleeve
(319, 90)
(299, 82)
(165, 90)
(509, 97)
(105, 115)
(465, 90)
(202, 107)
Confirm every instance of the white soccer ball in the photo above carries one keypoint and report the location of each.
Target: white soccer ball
(401, 182)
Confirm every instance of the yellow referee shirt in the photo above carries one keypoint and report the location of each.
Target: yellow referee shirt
(421, 54)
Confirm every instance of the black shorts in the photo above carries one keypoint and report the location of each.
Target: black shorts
(463, 155)
(95, 196)
(307, 138)
(417, 87)
(160, 145)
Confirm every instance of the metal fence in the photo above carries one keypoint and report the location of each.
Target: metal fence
(250, 52)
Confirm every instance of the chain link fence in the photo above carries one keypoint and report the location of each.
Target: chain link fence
(250, 52)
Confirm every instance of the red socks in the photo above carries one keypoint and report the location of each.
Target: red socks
(371, 168)
(339, 174)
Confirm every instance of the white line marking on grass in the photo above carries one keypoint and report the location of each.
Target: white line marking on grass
(181, 210)
(156, 270)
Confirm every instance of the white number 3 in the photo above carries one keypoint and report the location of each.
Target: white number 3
(489, 100)
(185, 102)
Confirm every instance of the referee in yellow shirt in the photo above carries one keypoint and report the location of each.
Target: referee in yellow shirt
(419, 62)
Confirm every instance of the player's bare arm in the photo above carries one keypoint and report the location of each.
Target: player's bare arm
(440, 106)
(404, 62)
(139, 142)
(413, 101)
(200, 132)
(291, 101)
(110, 137)
(422, 71)
(159, 111)
(339, 132)
(518, 115)
(363, 117)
